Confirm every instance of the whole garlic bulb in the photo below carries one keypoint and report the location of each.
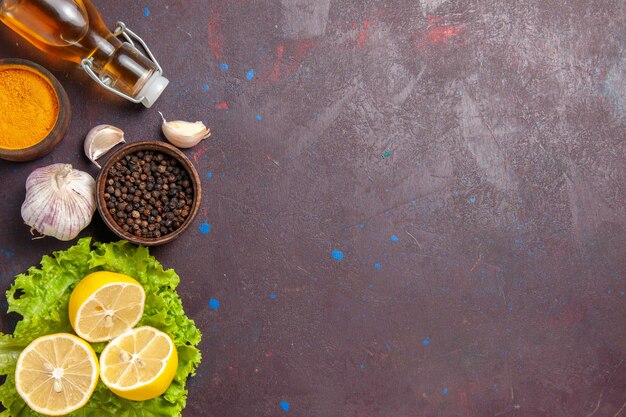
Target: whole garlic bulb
(60, 201)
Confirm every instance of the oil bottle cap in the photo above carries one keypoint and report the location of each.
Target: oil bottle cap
(153, 89)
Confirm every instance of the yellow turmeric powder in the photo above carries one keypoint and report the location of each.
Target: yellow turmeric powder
(29, 107)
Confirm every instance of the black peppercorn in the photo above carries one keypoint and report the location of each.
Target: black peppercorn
(148, 194)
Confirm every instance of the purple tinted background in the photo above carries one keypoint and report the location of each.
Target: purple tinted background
(412, 208)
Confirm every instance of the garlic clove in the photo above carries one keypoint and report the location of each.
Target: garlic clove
(60, 201)
(184, 134)
(100, 140)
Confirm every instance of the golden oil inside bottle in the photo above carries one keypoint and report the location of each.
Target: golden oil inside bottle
(72, 30)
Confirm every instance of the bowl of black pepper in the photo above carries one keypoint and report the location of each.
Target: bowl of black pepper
(148, 193)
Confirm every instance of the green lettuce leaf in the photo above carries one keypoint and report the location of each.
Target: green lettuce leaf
(41, 298)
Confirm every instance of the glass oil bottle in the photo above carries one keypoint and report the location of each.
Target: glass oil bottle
(73, 30)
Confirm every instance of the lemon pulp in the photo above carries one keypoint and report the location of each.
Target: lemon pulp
(139, 364)
(56, 374)
(104, 305)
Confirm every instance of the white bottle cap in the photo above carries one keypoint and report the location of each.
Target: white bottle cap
(153, 89)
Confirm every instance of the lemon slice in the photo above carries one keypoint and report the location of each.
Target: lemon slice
(104, 305)
(139, 364)
(56, 374)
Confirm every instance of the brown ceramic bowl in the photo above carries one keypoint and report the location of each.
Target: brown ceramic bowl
(132, 148)
(63, 120)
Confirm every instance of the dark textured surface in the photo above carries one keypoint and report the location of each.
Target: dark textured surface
(504, 186)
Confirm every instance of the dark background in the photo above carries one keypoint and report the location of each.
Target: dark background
(487, 136)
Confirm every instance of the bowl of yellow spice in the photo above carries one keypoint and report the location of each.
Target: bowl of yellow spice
(34, 110)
